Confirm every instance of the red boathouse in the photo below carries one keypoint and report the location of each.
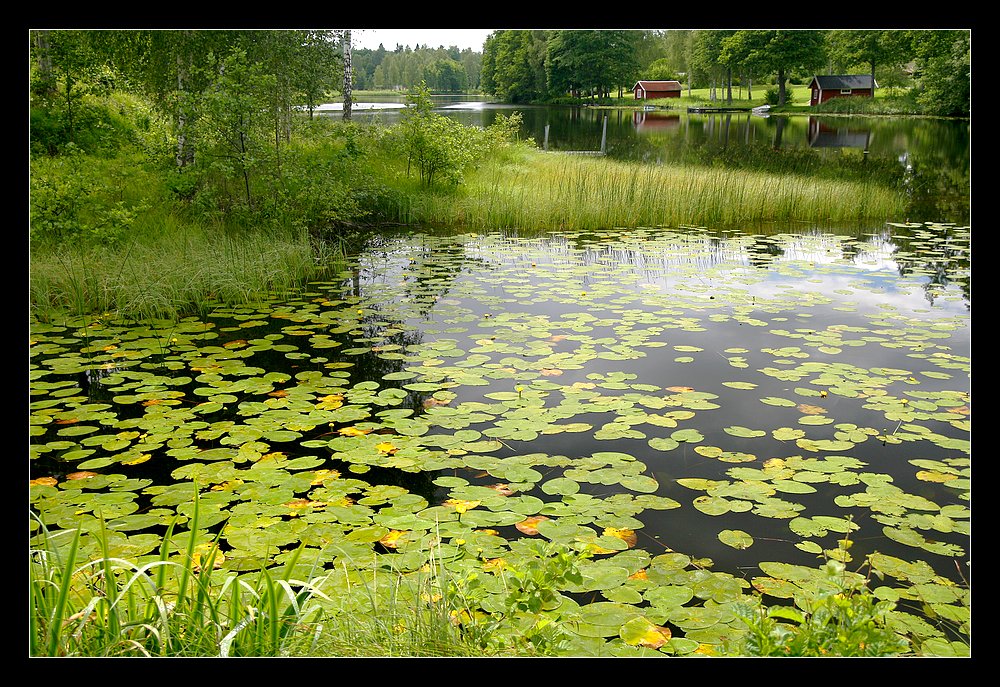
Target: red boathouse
(823, 88)
(648, 90)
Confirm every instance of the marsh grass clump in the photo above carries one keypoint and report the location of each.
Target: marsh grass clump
(174, 604)
(186, 271)
(182, 602)
(555, 190)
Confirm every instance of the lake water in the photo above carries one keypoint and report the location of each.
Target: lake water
(792, 388)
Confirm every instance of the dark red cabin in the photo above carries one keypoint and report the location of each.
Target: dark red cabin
(648, 90)
(823, 88)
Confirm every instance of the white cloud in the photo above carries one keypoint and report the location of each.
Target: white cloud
(389, 38)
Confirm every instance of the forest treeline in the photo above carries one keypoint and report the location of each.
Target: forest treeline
(522, 65)
(532, 66)
(515, 65)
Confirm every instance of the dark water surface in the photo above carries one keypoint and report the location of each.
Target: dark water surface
(557, 350)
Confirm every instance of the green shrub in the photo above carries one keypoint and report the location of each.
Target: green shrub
(841, 619)
(85, 199)
(771, 95)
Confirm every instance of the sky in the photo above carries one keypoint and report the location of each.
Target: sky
(463, 38)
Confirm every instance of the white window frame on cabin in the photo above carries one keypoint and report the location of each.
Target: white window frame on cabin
(846, 91)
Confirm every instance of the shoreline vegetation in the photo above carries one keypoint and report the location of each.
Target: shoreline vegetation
(887, 102)
(118, 231)
(130, 217)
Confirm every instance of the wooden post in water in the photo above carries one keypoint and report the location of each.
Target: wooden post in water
(604, 136)
(545, 145)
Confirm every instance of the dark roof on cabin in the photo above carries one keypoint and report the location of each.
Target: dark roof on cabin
(844, 81)
(658, 85)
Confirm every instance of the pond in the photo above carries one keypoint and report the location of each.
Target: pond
(932, 156)
(741, 401)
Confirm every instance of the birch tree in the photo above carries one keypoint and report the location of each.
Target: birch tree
(347, 74)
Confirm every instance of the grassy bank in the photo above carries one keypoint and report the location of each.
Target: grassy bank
(86, 600)
(188, 272)
(170, 265)
(555, 190)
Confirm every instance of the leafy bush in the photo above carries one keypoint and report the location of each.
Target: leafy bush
(73, 198)
(97, 126)
(771, 95)
(843, 619)
(442, 149)
(521, 599)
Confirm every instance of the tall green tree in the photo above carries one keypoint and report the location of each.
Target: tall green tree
(660, 70)
(169, 67)
(42, 79)
(66, 63)
(514, 65)
(944, 70)
(346, 42)
(783, 51)
(650, 46)
(677, 50)
(472, 60)
(706, 58)
(317, 64)
(873, 48)
(364, 63)
(234, 126)
(744, 51)
(445, 74)
(277, 52)
(592, 60)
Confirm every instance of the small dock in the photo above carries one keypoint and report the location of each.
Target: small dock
(717, 110)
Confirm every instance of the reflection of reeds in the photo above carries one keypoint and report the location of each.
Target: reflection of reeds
(559, 190)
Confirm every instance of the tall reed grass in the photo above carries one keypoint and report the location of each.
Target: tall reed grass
(558, 190)
(172, 272)
(176, 603)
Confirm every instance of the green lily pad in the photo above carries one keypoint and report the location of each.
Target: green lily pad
(738, 539)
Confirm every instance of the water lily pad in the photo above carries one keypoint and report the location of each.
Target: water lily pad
(787, 434)
(712, 505)
(738, 431)
(738, 539)
(641, 632)
(691, 436)
(560, 485)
